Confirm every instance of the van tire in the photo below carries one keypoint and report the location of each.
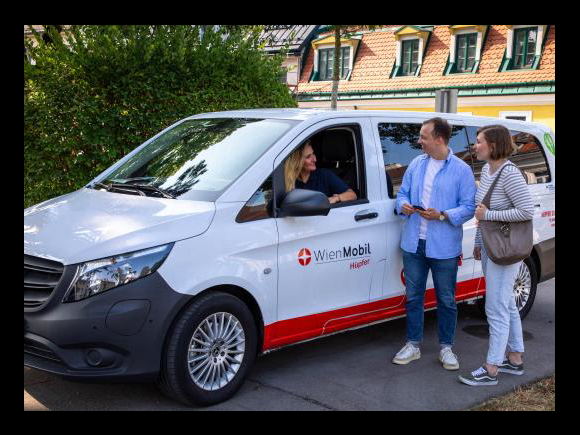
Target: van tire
(529, 263)
(175, 379)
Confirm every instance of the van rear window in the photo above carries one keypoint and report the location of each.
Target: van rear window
(529, 157)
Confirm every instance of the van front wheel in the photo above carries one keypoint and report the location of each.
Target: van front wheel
(209, 351)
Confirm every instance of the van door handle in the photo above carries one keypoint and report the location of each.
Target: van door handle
(365, 215)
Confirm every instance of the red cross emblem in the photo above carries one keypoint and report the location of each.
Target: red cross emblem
(304, 257)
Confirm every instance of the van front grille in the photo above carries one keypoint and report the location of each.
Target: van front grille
(40, 278)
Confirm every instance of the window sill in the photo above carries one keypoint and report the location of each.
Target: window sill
(461, 73)
(349, 203)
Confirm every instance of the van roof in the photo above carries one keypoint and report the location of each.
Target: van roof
(322, 114)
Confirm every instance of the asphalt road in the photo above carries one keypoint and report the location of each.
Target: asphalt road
(348, 371)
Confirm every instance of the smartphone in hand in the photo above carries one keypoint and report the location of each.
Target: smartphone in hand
(418, 207)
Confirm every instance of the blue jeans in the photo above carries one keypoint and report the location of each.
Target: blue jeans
(444, 273)
(503, 317)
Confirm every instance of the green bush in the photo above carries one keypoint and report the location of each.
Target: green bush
(90, 101)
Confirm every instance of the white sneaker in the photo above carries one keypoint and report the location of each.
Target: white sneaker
(408, 353)
(449, 359)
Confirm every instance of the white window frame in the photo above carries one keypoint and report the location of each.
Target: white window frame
(453, 42)
(327, 46)
(399, 52)
(510, 38)
(526, 113)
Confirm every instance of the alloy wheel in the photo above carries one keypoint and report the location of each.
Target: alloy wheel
(216, 351)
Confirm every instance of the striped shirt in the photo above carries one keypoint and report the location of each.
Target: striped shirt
(511, 200)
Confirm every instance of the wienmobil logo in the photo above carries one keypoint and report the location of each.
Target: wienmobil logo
(328, 256)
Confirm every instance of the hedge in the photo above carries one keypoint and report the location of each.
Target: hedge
(94, 93)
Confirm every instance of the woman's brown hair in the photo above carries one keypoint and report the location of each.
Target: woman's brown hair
(499, 140)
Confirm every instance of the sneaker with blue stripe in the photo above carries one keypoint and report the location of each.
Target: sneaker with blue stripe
(478, 378)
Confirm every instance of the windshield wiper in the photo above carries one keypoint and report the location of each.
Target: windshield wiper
(107, 187)
(139, 187)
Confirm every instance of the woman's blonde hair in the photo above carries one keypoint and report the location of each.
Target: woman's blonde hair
(293, 166)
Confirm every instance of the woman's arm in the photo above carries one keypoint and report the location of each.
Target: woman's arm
(517, 190)
(348, 195)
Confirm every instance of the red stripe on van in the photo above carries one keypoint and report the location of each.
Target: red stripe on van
(290, 331)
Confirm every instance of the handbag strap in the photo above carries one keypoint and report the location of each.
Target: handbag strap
(487, 198)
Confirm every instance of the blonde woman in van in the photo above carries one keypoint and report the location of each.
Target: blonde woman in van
(300, 172)
(511, 201)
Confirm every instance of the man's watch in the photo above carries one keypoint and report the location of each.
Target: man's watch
(441, 216)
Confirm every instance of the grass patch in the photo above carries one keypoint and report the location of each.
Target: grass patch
(539, 396)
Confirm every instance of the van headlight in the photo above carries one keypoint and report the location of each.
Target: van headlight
(96, 277)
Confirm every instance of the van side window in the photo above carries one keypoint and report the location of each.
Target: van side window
(529, 157)
(400, 144)
(337, 150)
(259, 206)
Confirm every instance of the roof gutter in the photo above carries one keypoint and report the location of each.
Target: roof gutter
(546, 87)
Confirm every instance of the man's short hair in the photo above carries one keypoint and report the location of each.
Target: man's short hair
(440, 128)
(499, 140)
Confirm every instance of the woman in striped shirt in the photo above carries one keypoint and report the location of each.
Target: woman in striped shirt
(511, 201)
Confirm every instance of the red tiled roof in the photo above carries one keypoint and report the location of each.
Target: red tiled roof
(376, 57)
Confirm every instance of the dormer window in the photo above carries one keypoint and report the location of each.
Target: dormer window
(524, 47)
(326, 63)
(525, 41)
(324, 57)
(411, 46)
(465, 47)
(409, 57)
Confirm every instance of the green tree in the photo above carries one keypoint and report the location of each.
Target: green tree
(94, 93)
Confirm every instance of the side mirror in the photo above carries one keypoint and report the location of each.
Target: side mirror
(301, 202)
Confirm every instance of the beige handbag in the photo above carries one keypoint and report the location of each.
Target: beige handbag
(506, 242)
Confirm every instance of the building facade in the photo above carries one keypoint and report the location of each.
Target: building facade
(503, 71)
(296, 40)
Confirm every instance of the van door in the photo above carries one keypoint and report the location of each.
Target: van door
(398, 139)
(328, 264)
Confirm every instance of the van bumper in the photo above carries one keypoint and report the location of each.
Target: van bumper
(118, 335)
(546, 251)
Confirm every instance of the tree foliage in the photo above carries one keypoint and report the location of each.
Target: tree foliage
(94, 93)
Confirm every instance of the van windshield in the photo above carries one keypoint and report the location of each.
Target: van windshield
(199, 155)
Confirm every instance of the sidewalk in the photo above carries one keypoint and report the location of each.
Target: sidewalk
(349, 371)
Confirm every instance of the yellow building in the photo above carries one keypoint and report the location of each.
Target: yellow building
(503, 71)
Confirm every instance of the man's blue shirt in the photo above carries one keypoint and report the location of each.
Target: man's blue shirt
(325, 181)
(453, 192)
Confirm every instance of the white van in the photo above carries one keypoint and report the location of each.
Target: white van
(187, 258)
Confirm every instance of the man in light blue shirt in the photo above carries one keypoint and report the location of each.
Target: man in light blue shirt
(436, 198)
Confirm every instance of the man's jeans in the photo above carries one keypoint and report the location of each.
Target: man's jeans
(445, 279)
(505, 324)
